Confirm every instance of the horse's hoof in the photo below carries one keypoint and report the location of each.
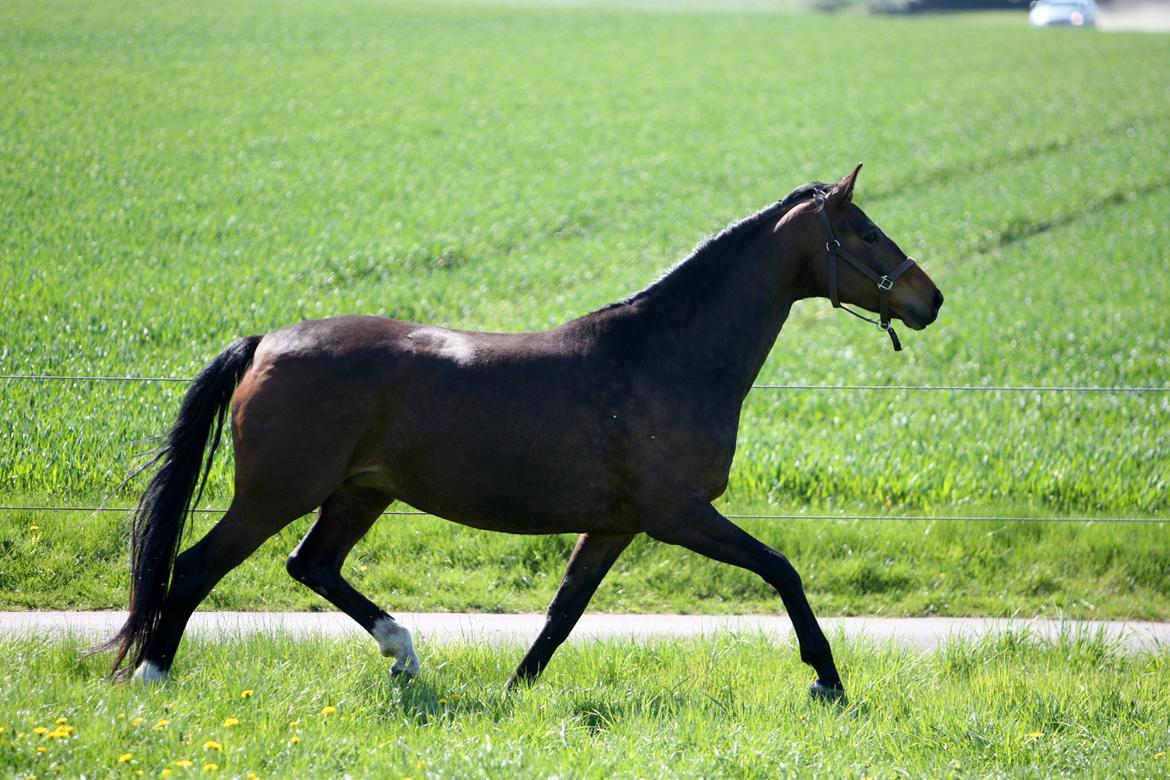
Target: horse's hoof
(822, 692)
(148, 673)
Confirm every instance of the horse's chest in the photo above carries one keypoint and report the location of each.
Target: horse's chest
(685, 447)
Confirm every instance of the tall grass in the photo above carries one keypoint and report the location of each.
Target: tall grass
(727, 706)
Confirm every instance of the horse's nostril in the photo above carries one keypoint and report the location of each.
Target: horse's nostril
(938, 299)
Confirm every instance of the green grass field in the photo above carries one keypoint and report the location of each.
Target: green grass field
(731, 706)
(175, 175)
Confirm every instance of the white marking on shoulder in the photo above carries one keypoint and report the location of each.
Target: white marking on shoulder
(394, 641)
(446, 343)
(148, 673)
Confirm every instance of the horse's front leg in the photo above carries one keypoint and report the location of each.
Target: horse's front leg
(703, 530)
(588, 565)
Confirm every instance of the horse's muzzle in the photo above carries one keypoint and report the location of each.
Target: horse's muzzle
(917, 318)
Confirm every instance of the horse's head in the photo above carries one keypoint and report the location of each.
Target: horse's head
(855, 262)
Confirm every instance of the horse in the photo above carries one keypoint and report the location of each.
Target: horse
(619, 423)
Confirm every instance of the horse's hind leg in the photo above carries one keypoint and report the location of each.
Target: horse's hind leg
(238, 534)
(343, 519)
(709, 533)
(588, 565)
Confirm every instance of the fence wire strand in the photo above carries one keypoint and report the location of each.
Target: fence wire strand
(890, 388)
(793, 387)
(916, 518)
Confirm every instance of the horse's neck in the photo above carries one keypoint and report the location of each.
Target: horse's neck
(723, 312)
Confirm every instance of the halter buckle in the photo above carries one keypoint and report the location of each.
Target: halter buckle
(832, 246)
(885, 283)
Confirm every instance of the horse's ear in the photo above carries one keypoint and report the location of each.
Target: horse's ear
(843, 190)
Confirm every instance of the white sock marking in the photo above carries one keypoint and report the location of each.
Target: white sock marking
(394, 640)
(148, 673)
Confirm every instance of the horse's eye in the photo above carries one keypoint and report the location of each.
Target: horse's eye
(871, 237)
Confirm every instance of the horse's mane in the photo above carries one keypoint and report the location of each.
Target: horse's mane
(726, 241)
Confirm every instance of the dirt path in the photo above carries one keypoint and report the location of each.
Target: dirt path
(924, 633)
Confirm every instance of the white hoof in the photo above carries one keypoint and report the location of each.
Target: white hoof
(148, 673)
(394, 641)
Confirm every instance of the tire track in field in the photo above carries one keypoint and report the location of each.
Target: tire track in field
(1022, 230)
(970, 169)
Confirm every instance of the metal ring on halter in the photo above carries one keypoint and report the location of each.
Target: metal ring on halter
(832, 246)
(885, 283)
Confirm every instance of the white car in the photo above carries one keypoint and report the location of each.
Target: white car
(1063, 13)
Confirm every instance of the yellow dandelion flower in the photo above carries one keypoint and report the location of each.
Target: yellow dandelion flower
(419, 764)
(125, 758)
(139, 772)
(61, 721)
(166, 772)
(184, 763)
(247, 694)
(1159, 754)
(41, 731)
(138, 721)
(455, 697)
(230, 722)
(294, 724)
(295, 740)
(42, 749)
(121, 716)
(251, 776)
(162, 724)
(1035, 734)
(210, 767)
(211, 744)
(2, 729)
(328, 709)
(442, 701)
(34, 528)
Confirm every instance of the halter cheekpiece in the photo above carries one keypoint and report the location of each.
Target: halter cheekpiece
(884, 282)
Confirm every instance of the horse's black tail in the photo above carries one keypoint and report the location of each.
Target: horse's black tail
(164, 506)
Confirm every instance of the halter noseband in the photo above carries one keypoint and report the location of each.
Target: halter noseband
(884, 283)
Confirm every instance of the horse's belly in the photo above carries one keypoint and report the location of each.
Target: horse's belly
(540, 490)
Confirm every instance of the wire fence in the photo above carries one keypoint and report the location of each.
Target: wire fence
(858, 517)
(799, 387)
(1092, 389)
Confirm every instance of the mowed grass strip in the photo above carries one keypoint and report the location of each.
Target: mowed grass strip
(727, 706)
(75, 561)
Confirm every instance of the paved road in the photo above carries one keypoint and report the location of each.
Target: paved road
(924, 633)
(1138, 16)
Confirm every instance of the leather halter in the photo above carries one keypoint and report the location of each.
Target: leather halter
(884, 282)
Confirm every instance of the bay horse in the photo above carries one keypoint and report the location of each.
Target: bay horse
(618, 423)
